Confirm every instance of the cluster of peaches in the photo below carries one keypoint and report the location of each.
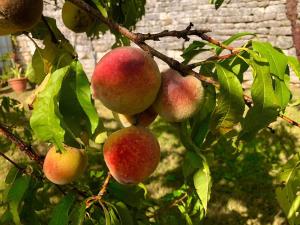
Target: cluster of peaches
(128, 81)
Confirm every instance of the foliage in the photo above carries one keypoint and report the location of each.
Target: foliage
(64, 113)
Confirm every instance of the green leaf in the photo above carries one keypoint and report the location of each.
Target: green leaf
(124, 214)
(282, 91)
(83, 93)
(232, 39)
(60, 214)
(200, 122)
(113, 217)
(203, 183)
(230, 104)
(12, 175)
(194, 49)
(106, 215)
(238, 66)
(294, 208)
(217, 3)
(15, 196)
(45, 119)
(278, 64)
(38, 74)
(185, 214)
(277, 60)
(191, 163)
(78, 213)
(100, 8)
(266, 106)
(6, 218)
(295, 65)
(287, 192)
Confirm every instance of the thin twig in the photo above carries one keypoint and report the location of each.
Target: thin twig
(136, 38)
(104, 186)
(213, 59)
(21, 144)
(97, 198)
(12, 162)
(173, 33)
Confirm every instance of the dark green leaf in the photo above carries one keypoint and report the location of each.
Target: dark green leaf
(15, 196)
(230, 104)
(77, 214)
(12, 175)
(194, 49)
(200, 122)
(124, 214)
(6, 218)
(191, 163)
(106, 215)
(266, 106)
(84, 96)
(286, 193)
(45, 119)
(60, 214)
(217, 3)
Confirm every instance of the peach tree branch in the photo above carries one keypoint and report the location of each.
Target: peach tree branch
(13, 162)
(26, 148)
(174, 64)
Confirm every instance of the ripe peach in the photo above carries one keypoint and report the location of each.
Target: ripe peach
(75, 18)
(126, 80)
(17, 15)
(179, 97)
(144, 118)
(63, 168)
(131, 154)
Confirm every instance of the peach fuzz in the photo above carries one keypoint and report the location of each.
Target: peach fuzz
(131, 154)
(63, 168)
(179, 97)
(17, 15)
(126, 80)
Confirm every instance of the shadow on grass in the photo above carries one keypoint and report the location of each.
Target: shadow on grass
(243, 188)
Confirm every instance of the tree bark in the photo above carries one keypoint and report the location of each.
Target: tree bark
(292, 15)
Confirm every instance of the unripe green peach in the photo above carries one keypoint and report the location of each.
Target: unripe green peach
(19, 15)
(144, 118)
(131, 154)
(65, 167)
(126, 80)
(75, 18)
(179, 97)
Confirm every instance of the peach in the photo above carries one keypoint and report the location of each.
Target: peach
(75, 18)
(63, 168)
(126, 80)
(19, 15)
(144, 118)
(131, 154)
(179, 97)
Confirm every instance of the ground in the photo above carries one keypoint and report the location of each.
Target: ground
(243, 190)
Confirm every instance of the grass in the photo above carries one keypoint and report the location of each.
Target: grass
(243, 190)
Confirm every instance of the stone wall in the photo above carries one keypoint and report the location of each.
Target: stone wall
(266, 18)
